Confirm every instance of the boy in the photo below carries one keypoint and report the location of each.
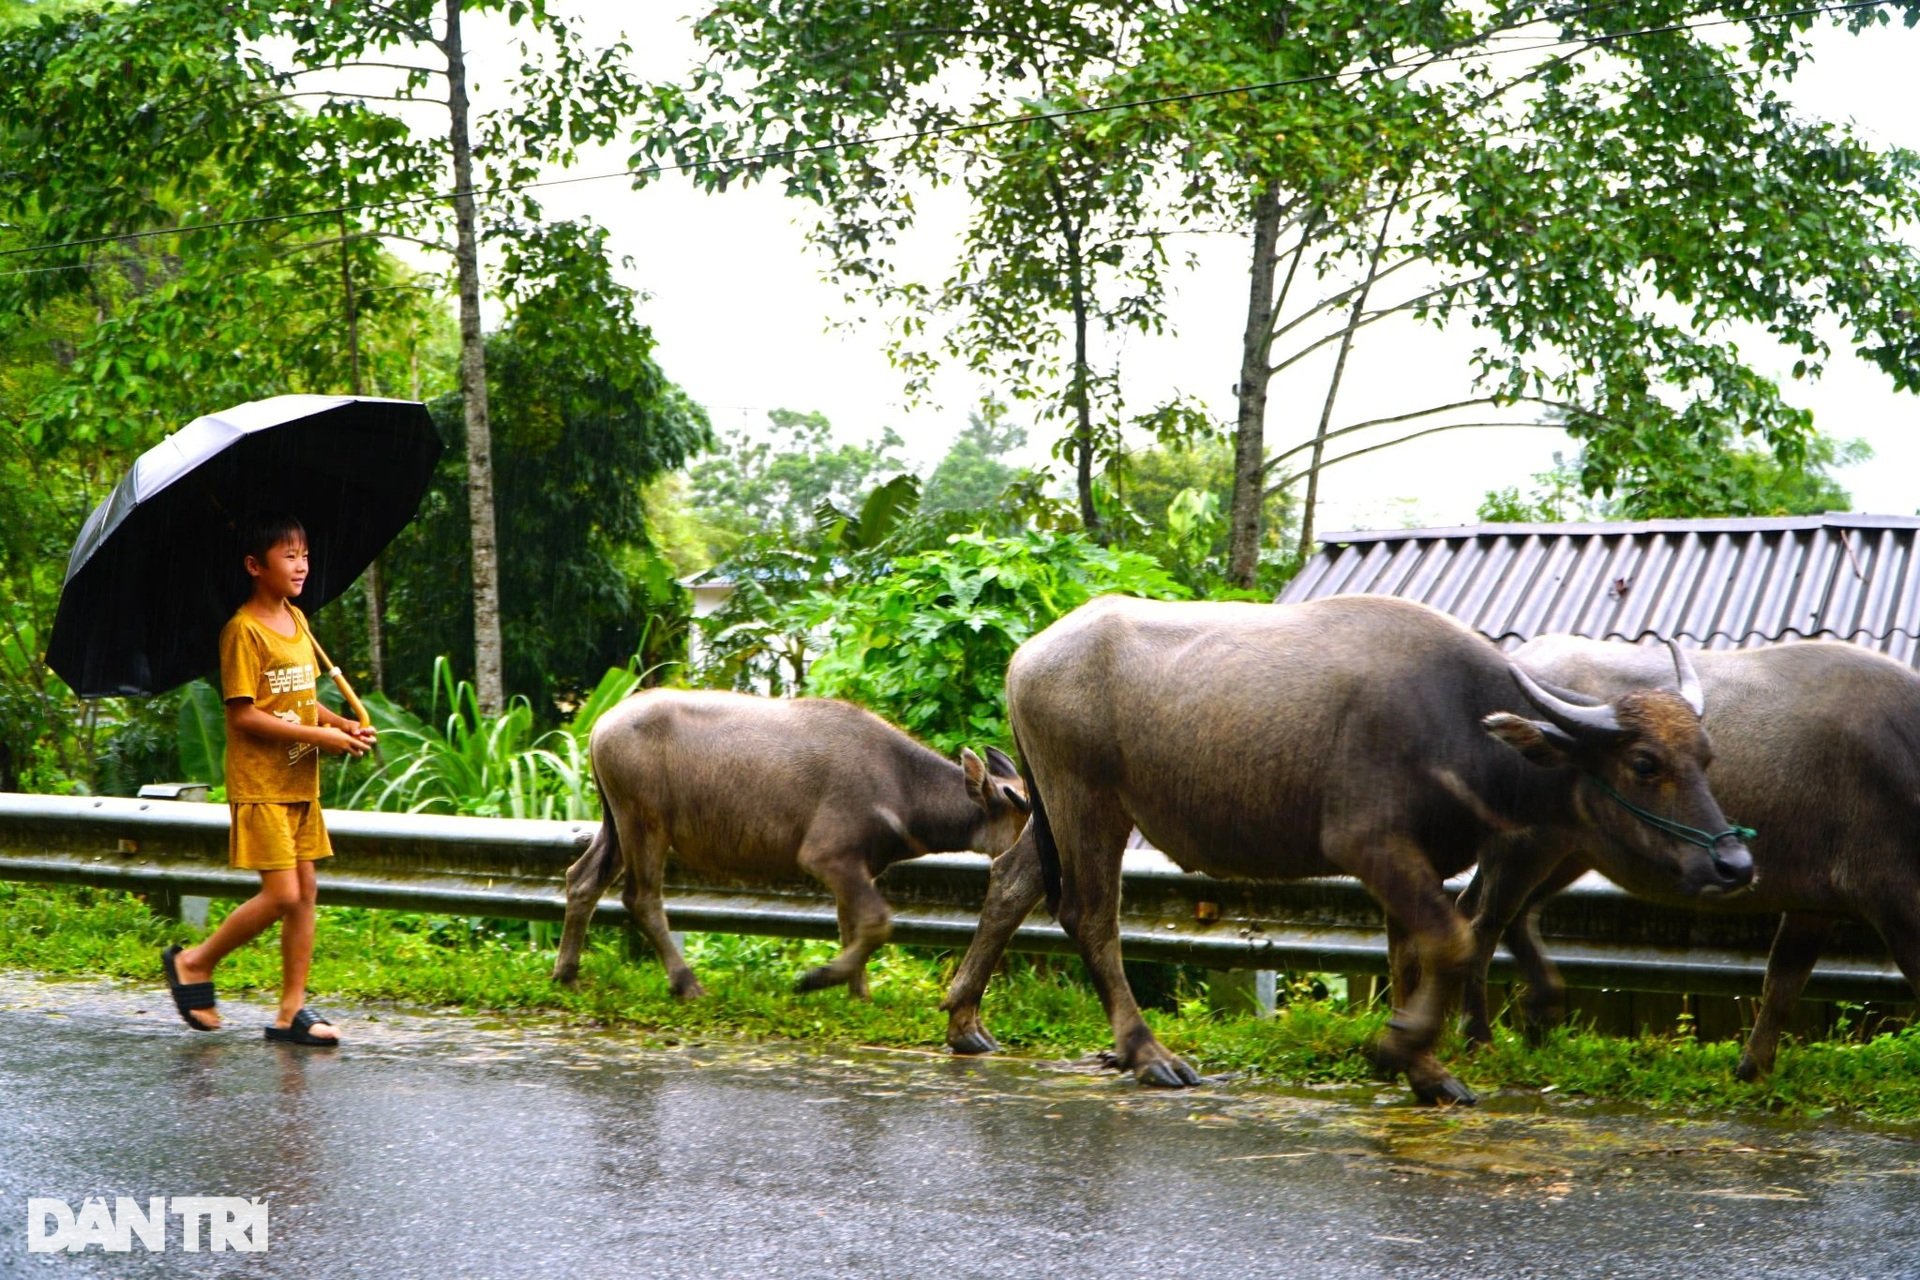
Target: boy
(276, 729)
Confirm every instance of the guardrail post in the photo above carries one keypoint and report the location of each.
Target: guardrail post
(1238, 991)
(189, 908)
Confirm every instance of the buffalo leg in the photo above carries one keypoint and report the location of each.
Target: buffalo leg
(1502, 903)
(1092, 839)
(1014, 889)
(587, 879)
(857, 988)
(1438, 941)
(1403, 964)
(1796, 948)
(1544, 1004)
(644, 896)
(864, 917)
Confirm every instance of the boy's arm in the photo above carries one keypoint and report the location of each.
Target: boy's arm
(365, 732)
(244, 717)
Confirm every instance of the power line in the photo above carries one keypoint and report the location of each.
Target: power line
(779, 153)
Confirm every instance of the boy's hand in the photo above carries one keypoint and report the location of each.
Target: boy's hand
(339, 740)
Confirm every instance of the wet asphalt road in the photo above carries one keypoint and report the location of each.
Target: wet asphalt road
(441, 1147)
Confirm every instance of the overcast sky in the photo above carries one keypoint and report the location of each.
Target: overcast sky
(746, 325)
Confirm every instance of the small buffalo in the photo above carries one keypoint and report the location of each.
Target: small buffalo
(1358, 735)
(763, 788)
(1820, 753)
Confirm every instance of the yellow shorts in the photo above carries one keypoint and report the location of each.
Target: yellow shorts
(273, 837)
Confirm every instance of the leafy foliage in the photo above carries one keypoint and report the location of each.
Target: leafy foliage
(926, 645)
(790, 514)
(460, 760)
(1606, 207)
(1735, 480)
(972, 476)
(588, 419)
(202, 734)
(774, 485)
(1172, 504)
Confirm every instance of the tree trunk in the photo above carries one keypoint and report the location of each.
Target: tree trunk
(370, 581)
(1249, 453)
(1339, 371)
(487, 678)
(1078, 396)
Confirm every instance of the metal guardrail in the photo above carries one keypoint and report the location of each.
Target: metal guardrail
(1600, 937)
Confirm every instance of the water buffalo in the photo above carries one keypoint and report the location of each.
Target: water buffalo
(1820, 753)
(1359, 735)
(762, 788)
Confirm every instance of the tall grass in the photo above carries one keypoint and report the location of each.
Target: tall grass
(460, 761)
(1039, 1007)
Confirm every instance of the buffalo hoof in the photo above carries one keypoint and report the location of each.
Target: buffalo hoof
(1167, 1073)
(1476, 1034)
(1444, 1092)
(567, 977)
(974, 1041)
(687, 989)
(817, 980)
(1750, 1071)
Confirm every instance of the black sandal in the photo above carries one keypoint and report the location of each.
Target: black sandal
(301, 1031)
(187, 996)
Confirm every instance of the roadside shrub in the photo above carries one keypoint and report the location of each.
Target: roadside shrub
(460, 761)
(926, 645)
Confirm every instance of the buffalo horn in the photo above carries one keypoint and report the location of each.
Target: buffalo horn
(1689, 680)
(1572, 716)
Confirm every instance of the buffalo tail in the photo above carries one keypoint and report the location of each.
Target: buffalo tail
(606, 844)
(1042, 834)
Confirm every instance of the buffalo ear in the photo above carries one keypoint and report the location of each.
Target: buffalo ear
(976, 774)
(1540, 742)
(1000, 764)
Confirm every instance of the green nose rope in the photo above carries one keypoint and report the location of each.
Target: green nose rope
(1692, 835)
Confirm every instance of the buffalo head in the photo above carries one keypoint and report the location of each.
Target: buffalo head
(1642, 760)
(996, 786)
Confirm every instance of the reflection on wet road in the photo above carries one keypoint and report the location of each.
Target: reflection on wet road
(442, 1147)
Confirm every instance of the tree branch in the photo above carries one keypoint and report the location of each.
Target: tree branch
(338, 95)
(1388, 444)
(343, 66)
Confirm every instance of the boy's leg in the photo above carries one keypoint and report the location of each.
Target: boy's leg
(296, 952)
(279, 890)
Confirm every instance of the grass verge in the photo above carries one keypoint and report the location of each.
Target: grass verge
(1036, 1008)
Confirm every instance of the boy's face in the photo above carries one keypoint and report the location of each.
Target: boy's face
(283, 570)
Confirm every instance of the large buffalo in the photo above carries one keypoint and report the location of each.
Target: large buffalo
(1359, 735)
(1820, 753)
(765, 788)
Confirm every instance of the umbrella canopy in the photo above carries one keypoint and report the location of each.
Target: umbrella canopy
(157, 569)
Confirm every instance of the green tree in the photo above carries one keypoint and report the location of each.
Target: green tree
(1051, 265)
(1734, 480)
(926, 644)
(775, 484)
(590, 420)
(971, 477)
(563, 97)
(132, 140)
(1173, 502)
(1606, 205)
(791, 512)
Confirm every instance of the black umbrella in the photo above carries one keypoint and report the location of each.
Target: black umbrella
(156, 571)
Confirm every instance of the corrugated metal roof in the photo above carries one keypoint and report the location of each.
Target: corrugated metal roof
(1723, 584)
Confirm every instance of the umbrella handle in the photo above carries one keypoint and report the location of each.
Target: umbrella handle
(346, 690)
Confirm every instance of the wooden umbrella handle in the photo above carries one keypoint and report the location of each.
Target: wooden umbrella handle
(346, 690)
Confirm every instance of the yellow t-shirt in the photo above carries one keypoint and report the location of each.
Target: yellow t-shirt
(280, 674)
